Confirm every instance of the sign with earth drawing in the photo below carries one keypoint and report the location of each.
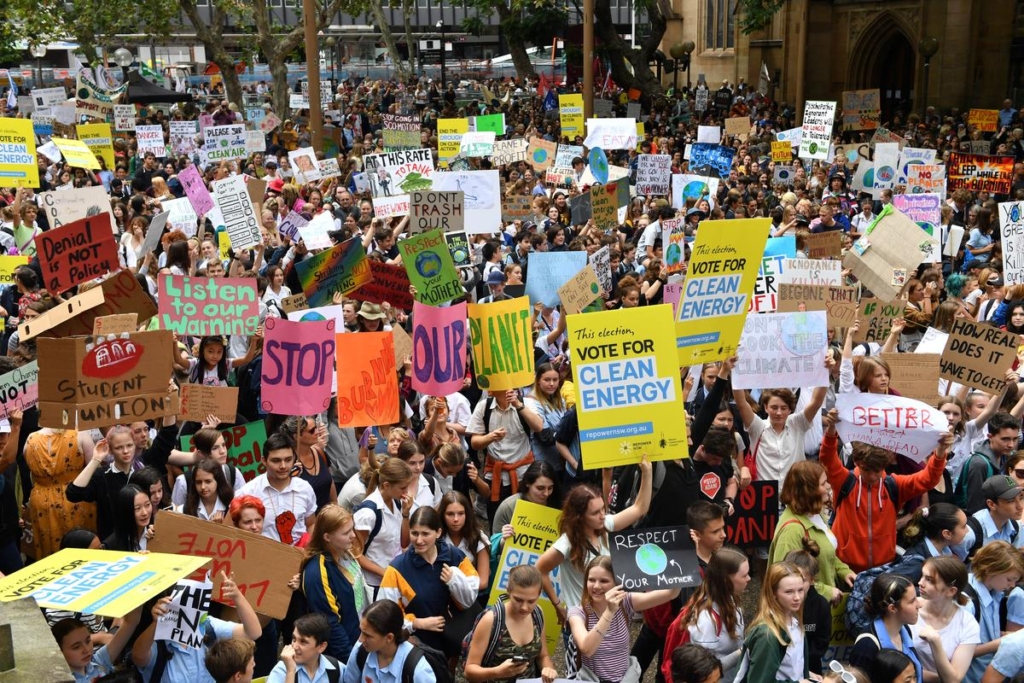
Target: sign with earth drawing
(650, 559)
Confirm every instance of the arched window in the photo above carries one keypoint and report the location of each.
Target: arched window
(719, 24)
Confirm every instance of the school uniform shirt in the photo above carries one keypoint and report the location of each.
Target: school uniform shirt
(417, 587)
(372, 672)
(277, 674)
(201, 513)
(776, 453)
(1009, 658)
(426, 497)
(297, 498)
(570, 579)
(180, 490)
(187, 664)
(513, 447)
(387, 544)
(793, 666)
(990, 532)
(710, 632)
(988, 622)
(99, 666)
(328, 591)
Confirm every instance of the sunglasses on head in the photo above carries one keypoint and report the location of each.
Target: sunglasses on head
(837, 668)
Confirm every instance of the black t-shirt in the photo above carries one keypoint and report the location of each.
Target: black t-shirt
(692, 481)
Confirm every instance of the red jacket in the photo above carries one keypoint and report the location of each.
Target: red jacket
(865, 523)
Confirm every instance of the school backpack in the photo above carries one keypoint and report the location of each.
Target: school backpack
(497, 628)
(249, 380)
(334, 675)
(888, 481)
(857, 619)
(960, 490)
(979, 535)
(435, 658)
(971, 593)
(676, 637)
(378, 519)
(626, 486)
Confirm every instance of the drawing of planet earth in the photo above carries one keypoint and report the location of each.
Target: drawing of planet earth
(695, 190)
(428, 264)
(651, 559)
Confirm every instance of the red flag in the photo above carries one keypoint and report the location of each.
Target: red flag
(542, 85)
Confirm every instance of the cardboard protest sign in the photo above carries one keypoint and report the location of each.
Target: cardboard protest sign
(401, 132)
(738, 126)
(782, 350)
(340, 269)
(651, 559)
(673, 240)
(393, 175)
(224, 143)
(428, 263)
(482, 192)
(124, 117)
(388, 284)
(800, 298)
(195, 189)
(891, 249)
(303, 161)
(293, 303)
(534, 530)
(509, 151)
(262, 567)
(861, 109)
(628, 394)
(182, 622)
(718, 288)
(782, 152)
(244, 444)
(198, 401)
(99, 140)
(925, 209)
(978, 355)
(610, 134)
(315, 234)
(926, 178)
(115, 324)
(502, 340)
(910, 157)
(541, 154)
(914, 375)
(240, 219)
(19, 389)
(934, 342)
(824, 245)
(440, 339)
(841, 306)
(443, 211)
(8, 264)
(1011, 230)
(816, 131)
(876, 318)
(298, 366)
(181, 215)
(979, 173)
(985, 120)
(183, 136)
(84, 384)
(580, 290)
(689, 189)
(367, 379)
(76, 252)
(570, 115)
(757, 515)
(516, 207)
(103, 582)
(653, 174)
(208, 306)
(548, 271)
(449, 138)
(120, 293)
(44, 98)
(151, 140)
(896, 423)
(65, 206)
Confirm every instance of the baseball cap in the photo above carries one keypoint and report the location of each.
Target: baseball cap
(994, 281)
(1000, 487)
(496, 277)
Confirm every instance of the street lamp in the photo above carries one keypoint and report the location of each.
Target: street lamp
(688, 48)
(444, 86)
(38, 51)
(123, 58)
(927, 47)
(330, 44)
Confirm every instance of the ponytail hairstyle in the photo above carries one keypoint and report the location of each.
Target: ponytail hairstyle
(394, 471)
(931, 522)
(386, 618)
(952, 572)
(716, 589)
(887, 590)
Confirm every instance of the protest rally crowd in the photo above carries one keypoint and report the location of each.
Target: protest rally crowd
(436, 379)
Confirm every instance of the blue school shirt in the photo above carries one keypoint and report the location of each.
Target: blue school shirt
(187, 664)
(988, 620)
(99, 666)
(392, 673)
(277, 674)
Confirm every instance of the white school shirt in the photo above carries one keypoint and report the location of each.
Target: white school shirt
(387, 544)
(297, 496)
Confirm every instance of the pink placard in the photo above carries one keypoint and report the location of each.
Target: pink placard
(673, 292)
(196, 190)
(298, 366)
(205, 120)
(440, 337)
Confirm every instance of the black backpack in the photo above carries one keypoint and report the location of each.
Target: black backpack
(435, 658)
(249, 379)
(626, 486)
(979, 535)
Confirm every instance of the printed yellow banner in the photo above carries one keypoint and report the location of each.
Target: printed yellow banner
(99, 139)
(782, 152)
(502, 339)
(716, 294)
(628, 395)
(449, 138)
(18, 166)
(102, 582)
(570, 113)
(534, 529)
(985, 120)
(8, 264)
(77, 153)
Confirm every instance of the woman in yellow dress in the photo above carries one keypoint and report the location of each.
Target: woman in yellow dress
(55, 457)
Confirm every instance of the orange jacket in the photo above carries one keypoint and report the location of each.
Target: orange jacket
(865, 523)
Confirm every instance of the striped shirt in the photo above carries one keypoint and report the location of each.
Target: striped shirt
(611, 660)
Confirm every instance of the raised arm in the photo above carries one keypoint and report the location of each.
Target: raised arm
(635, 512)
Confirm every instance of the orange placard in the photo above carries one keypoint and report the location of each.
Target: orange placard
(367, 379)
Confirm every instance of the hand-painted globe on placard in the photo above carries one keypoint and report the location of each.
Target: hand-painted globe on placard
(695, 189)
(599, 165)
(651, 559)
(869, 178)
(540, 155)
(801, 334)
(673, 255)
(428, 264)
(312, 315)
(885, 174)
(460, 255)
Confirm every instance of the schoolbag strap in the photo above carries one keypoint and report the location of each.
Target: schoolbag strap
(792, 521)
(409, 668)
(846, 489)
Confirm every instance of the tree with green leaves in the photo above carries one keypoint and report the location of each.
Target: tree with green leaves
(638, 74)
(522, 23)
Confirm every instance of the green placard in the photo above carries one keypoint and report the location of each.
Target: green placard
(245, 445)
(430, 267)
